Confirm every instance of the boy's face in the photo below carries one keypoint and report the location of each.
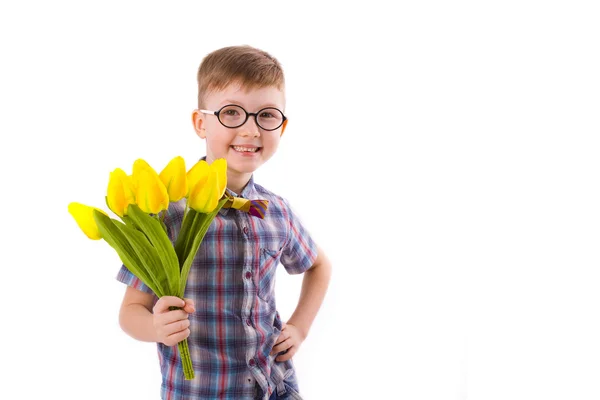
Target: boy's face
(223, 142)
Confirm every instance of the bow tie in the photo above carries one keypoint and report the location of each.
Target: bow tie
(256, 208)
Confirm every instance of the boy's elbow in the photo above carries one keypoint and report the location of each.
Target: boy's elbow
(132, 300)
(124, 316)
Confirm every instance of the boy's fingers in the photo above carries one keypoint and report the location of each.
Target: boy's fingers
(282, 337)
(175, 315)
(190, 301)
(177, 326)
(177, 337)
(287, 355)
(189, 309)
(281, 347)
(190, 306)
(163, 304)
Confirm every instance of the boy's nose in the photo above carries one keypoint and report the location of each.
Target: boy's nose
(250, 128)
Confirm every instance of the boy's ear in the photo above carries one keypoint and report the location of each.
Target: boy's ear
(197, 122)
(283, 127)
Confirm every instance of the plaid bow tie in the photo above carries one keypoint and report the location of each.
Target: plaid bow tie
(256, 208)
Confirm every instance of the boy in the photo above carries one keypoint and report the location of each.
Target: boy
(240, 347)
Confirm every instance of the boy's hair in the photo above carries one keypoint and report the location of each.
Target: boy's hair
(250, 67)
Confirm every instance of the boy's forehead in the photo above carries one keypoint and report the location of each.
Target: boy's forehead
(247, 96)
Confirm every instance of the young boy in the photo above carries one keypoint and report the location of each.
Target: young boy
(240, 347)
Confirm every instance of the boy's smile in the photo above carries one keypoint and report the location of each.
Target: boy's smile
(245, 147)
(246, 151)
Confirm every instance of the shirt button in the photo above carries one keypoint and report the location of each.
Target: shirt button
(252, 363)
(248, 275)
(245, 230)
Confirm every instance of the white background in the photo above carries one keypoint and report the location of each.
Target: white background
(458, 139)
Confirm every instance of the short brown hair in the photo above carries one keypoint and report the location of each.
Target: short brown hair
(251, 67)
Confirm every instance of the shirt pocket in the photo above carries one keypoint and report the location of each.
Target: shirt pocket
(269, 259)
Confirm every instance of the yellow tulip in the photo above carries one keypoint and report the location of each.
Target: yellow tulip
(84, 216)
(120, 193)
(220, 166)
(175, 179)
(209, 185)
(151, 194)
(197, 174)
(139, 165)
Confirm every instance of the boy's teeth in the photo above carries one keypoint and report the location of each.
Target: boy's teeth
(252, 150)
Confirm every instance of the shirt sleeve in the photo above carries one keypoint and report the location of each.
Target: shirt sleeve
(125, 276)
(172, 221)
(300, 250)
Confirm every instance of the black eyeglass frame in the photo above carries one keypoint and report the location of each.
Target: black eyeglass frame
(248, 114)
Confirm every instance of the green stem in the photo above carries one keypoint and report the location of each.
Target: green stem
(186, 360)
(185, 212)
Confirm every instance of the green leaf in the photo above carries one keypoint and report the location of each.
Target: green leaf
(130, 222)
(162, 224)
(197, 222)
(184, 238)
(118, 241)
(161, 244)
(149, 257)
(203, 223)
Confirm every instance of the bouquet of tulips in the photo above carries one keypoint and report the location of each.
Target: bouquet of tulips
(141, 239)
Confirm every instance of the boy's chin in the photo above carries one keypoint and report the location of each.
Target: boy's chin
(244, 166)
(244, 163)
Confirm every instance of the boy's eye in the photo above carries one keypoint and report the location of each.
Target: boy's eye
(266, 115)
(231, 112)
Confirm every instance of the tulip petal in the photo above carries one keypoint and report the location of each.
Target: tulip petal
(174, 177)
(84, 216)
(139, 165)
(204, 197)
(197, 174)
(151, 193)
(120, 192)
(152, 196)
(220, 166)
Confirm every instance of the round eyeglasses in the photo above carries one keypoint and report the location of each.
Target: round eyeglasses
(232, 116)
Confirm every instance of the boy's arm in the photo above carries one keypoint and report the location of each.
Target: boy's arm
(314, 287)
(140, 320)
(135, 316)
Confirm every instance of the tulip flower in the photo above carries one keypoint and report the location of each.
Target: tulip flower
(120, 192)
(84, 216)
(198, 174)
(220, 166)
(174, 177)
(209, 187)
(140, 164)
(151, 194)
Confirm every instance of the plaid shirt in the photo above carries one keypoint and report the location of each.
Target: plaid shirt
(236, 321)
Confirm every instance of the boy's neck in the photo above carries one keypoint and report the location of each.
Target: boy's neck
(237, 181)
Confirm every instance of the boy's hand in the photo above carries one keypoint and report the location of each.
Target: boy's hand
(172, 326)
(289, 341)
